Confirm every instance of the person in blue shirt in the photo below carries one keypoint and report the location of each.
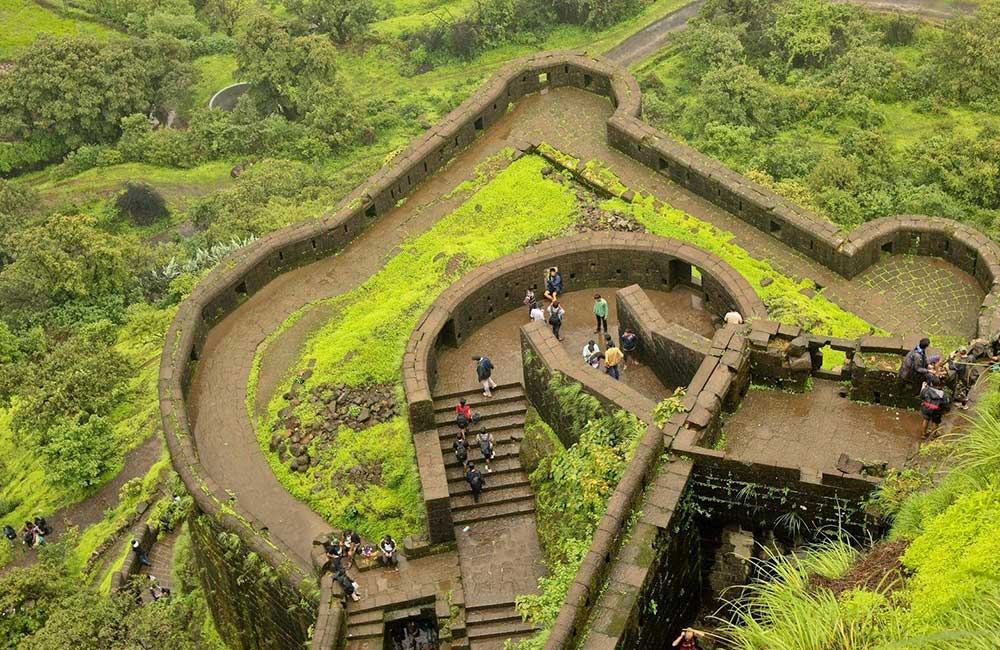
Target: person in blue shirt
(553, 284)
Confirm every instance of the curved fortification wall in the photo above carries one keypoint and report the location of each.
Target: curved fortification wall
(269, 613)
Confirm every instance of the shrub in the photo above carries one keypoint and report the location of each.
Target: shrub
(141, 203)
(79, 454)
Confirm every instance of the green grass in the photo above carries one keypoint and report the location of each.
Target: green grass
(365, 343)
(217, 72)
(21, 21)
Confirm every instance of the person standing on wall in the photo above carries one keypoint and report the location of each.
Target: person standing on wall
(600, 313)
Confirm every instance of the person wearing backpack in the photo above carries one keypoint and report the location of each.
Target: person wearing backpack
(475, 480)
(10, 534)
(486, 445)
(934, 402)
(461, 447)
(556, 314)
(484, 372)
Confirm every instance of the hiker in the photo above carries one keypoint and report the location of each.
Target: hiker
(139, 553)
(10, 534)
(349, 586)
(43, 525)
(914, 368)
(553, 284)
(934, 403)
(156, 590)
(484, 371)
(590, 350)
(556, 315)
(486, 446)
(600, 313)
(28, 534)
(612, 360)
(688, 640)
(334, 551)
(733, 318)
(475, 480)
(461, 447)
(535, 312)
(463, 409)
(388, 548)
(529, 300)
(628, 342)
(37, 534)
(351, 542)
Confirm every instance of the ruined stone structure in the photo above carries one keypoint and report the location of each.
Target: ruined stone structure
(277, 610)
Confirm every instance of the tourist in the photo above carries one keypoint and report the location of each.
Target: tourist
(688, 640)
(350, 587)
(351, 542)
(934, 403)
(536, 313)
(553, 284)
(156, 590)
(556, 315)
(733, 318)
(475, 480)
(486, 447)
(139, 553)
(461, 447)
(529, 300)
(484, 371)
(28, 534)
(914, 368)
(388, 548)
(37, 534)
(463, 409)
(590, 350)
(628, 343)
(43, 525)
(613, 357)
(10, 534)
(600, 313)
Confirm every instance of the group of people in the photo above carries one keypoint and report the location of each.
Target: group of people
(554, 313)
(33, 533)
(464, 419)
(342, 551)
(613, 357)
(940, 382)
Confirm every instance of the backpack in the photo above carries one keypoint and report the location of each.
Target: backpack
(461, 452)
(461, 421)
(486, 447)
(555, 318)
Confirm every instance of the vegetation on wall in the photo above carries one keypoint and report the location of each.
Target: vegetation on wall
(854, 114)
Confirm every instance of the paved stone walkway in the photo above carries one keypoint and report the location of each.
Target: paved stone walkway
(161, 557)
(773, 426)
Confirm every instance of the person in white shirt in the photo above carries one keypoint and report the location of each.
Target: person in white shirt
(536, 313)
(589, 350)
(733, 318)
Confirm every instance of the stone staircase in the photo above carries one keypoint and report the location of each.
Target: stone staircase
(507, 490)
(507, 494)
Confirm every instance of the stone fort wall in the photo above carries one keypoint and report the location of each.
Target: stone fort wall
(253, 267)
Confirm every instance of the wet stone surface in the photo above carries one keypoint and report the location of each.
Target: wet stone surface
(811, 430)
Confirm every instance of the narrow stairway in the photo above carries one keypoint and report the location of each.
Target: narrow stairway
(507, 495)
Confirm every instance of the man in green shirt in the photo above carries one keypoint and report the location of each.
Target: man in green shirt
(601, 313)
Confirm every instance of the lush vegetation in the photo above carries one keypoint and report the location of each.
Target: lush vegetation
(364, 343)
(944, 590)
(853, 114)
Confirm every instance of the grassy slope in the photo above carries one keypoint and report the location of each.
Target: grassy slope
(21, 21)
(217, 72)
(365, 342)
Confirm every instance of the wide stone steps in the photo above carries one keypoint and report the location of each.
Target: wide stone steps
(494, 481)
(483, 405)
(485, 510)
(513, 435)
(500, 621)
(365, 630)
(365, 617)
(475, 395)
(509, 448)
(494, 421)
(500, 465)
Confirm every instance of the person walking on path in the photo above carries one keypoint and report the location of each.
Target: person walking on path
(10, 534)
(934, 403)
(915, 368)
(613, 357)
(553, 284)
(628, 343)
(463, 409)
(484, 371)
(600, 313)
(461, 447)
(536, 312)
(475, 480)
(556, 315)
(139, 553)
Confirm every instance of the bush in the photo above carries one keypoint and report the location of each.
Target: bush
(79, 454)
(142, 204)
